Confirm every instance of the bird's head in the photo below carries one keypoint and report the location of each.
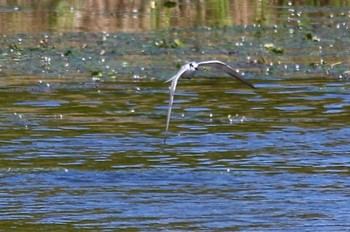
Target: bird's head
(193, 66)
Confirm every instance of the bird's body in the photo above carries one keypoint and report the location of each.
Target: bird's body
(188, 70)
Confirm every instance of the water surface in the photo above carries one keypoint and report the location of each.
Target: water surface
(83, 116)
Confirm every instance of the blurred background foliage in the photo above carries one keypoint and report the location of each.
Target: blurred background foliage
(26, 16)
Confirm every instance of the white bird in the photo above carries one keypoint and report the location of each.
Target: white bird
(188, 70)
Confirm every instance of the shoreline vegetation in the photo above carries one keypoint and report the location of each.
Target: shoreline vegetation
(139, 16)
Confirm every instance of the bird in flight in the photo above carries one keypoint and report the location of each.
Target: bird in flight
(188, 70)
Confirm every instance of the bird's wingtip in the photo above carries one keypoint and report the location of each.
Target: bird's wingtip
(170, 79)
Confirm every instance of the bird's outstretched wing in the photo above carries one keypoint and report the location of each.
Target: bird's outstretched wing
(227, 69)
(172, 89)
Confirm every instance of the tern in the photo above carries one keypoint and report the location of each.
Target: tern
(188, 70)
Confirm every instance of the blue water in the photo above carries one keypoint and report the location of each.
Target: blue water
(280, 163)
(84, 113)
(242, 198)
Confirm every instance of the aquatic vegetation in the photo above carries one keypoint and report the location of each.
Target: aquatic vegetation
(84, 104)
(311, 37)
(166, 43)
(274, 48)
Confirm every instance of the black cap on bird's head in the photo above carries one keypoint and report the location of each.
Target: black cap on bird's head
(193, 65)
